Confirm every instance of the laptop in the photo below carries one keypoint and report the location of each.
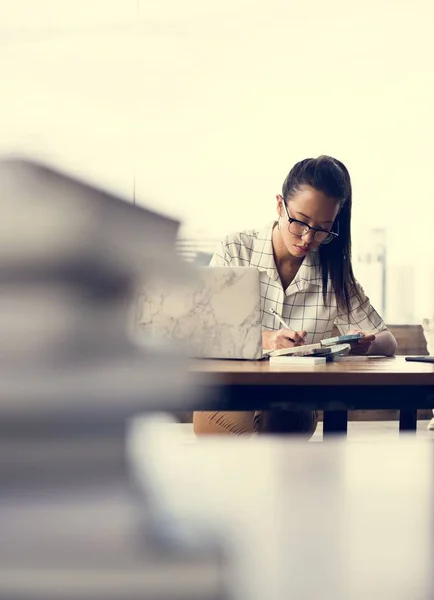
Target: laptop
(217, 315)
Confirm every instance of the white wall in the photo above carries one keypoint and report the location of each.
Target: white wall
(234, 92)
(68, 75)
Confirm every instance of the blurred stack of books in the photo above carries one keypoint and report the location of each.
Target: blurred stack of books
(72, 377)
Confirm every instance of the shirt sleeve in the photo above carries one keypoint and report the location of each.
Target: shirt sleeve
(221, 257)
(363, 315)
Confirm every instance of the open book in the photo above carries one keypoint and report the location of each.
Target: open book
(335, 345)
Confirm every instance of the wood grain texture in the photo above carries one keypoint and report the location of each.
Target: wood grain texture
(383, 371)
(411, 341)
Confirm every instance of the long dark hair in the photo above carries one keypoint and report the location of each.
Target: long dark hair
(330, 176)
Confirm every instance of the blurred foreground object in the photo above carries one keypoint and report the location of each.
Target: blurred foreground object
(71, 377)
(335, 521)
(71, 257)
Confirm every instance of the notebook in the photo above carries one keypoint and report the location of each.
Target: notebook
(335, 345)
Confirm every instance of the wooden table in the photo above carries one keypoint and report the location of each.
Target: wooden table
(335, 388)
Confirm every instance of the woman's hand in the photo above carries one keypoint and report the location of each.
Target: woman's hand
(362, 346)
(382, 343)
(283, 338)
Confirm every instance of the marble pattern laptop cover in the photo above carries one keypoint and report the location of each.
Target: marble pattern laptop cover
(218, 315)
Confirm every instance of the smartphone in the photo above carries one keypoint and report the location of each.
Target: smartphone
(425, 359)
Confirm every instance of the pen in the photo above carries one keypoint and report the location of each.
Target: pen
(281, 321)
(279, 318)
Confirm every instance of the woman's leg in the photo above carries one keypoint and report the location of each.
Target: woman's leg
(282, 421)
(279, 421)
(226, 423)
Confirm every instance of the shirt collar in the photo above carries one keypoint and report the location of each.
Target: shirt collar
(262, 254)
(263, 258)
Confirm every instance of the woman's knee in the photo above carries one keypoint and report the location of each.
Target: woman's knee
(223, 422)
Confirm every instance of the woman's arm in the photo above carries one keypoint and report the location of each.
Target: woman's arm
(365, 319)
(384, 344)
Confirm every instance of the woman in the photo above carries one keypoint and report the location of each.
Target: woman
(306, 276)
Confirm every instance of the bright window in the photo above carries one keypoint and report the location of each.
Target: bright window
(200, 109)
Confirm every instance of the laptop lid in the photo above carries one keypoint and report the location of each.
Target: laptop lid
(217, 315)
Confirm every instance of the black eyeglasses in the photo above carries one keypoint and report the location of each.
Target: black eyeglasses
(299, 228)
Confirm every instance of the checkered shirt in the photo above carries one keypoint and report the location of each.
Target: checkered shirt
(301, 304)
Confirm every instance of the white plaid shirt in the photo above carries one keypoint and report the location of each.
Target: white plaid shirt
(301, 304)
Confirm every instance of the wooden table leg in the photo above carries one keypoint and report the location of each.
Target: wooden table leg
(408, 420)
(335, 422)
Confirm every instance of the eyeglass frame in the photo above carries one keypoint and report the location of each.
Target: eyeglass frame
(333, 234)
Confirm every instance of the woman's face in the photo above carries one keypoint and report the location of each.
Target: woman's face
(311, 207)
